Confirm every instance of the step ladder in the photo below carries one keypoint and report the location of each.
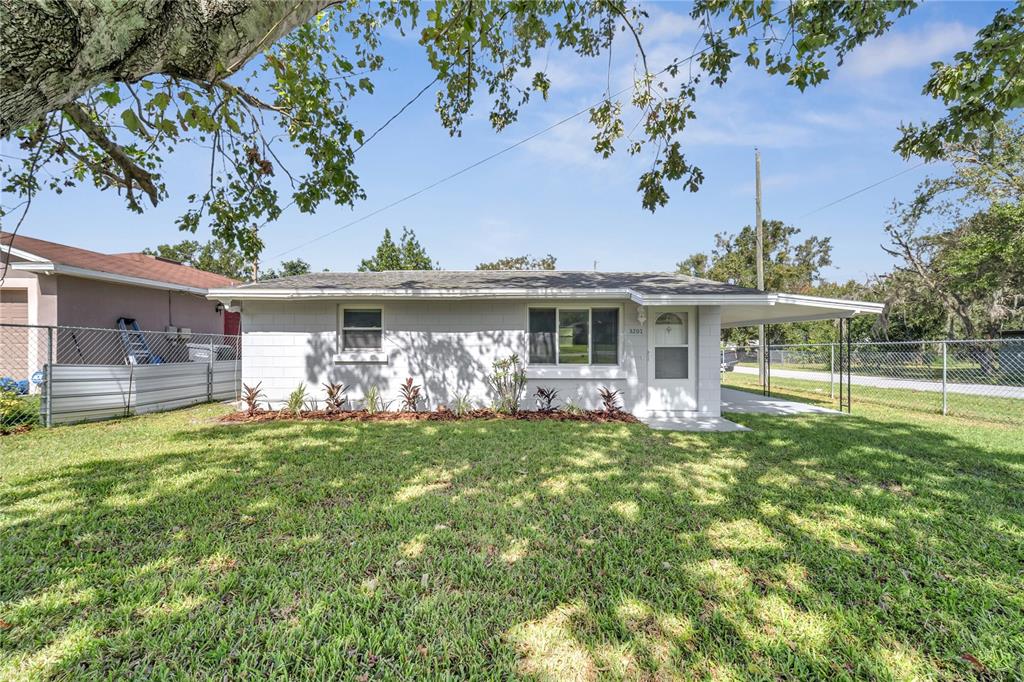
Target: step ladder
(136, 350)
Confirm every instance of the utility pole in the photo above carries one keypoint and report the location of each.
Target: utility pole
(760, 260)
(255, 258)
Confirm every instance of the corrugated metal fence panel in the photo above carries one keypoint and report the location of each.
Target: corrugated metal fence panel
(226, 377)
(87, 392)
(91, 392)
(165, 387)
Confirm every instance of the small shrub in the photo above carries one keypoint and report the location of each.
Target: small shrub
(571, 407)
(610, 399)
(251, 396)
(313, 405)
(508, 381)
(296, 399)
(462, 405)
(374, 403)
(336, 399)
(410, 396)
(17, 410)
(545, 398)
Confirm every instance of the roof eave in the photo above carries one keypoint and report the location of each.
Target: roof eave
(47, 267)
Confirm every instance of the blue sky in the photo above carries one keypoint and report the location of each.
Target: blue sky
(553, 195)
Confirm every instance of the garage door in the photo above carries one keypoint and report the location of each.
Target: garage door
(14, 340)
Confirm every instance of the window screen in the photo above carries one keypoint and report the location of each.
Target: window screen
(605, 336)
(542, 335)
(573, 337)
(671, 362)
(361, 329)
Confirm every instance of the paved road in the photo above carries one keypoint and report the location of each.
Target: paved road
(989, 390)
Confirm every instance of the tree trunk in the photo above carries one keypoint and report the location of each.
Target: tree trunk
(52, 53)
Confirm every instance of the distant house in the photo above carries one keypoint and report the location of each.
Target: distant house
(55, 284)
(653, 336)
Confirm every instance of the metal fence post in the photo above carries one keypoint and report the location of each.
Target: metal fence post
(209, 374)
(945, 399)
(49, 376)
(832, 371)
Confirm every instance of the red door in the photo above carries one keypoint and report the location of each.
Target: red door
(232, 323)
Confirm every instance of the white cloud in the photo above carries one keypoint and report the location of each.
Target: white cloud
(906, 50)
(662, 25)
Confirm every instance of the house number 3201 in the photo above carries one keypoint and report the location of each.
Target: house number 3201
(636, 330)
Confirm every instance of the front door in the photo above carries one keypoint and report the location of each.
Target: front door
(671, 352)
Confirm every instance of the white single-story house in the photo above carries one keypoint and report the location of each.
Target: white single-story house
(653, 336)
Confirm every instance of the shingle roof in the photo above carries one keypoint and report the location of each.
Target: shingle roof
(647, 283)
(127, 264)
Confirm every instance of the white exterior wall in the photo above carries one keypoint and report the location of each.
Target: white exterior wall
(448, 348)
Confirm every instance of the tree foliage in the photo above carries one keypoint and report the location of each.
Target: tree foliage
(526, 262)
(408, 254)
(960, 241)
(288, 269)
(789, 265)
(103, 97)
(212, 256)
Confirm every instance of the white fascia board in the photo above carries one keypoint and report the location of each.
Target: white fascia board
(18, 253)
(822, 302)
(57, 269)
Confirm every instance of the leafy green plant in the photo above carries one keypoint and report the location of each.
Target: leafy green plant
(410, 395)
(545, 398)
(610, 399)
(571, 407)
(374, 403)
(462, 405)
(508, 381)
(296, 399)
(17, 410)
(336, 399)
(251, 396)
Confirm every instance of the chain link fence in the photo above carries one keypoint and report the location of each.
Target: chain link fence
(53, 375)
(980, 379)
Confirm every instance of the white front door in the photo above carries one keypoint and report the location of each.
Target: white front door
(671, 360)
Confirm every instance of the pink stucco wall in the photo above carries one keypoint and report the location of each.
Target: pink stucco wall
(91, 303)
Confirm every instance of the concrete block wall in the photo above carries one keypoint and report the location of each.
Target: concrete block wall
(448, 347)
(709, 376)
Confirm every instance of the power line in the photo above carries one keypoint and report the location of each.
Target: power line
(500, 152)
(864, 189)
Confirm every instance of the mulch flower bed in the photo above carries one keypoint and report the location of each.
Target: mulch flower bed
(596, 416)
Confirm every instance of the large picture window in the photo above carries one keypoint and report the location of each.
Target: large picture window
(361, 329)
(574, 336)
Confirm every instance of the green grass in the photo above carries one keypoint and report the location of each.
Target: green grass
(974, 407)
(167, 546)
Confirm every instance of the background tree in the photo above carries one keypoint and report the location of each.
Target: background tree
(520, 263)
(288, 269)
(406, 255)
(102, 93)
(960, 241)
(793, 267)
(790, 265)
(213, 256)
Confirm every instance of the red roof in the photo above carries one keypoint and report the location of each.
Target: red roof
(138, 265)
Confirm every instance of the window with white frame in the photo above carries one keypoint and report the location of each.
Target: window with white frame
(361, 329)
(574, 336)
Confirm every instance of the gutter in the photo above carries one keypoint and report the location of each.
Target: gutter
(50, 268)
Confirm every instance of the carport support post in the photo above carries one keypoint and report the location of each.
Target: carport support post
(944, 365)
(832, 371)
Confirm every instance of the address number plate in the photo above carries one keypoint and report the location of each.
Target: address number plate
(636, 330)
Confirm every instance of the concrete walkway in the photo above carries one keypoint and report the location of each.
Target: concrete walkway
(738, 402)
(742, 402)
(991, 390)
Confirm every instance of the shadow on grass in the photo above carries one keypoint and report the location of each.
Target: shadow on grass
(811, 547)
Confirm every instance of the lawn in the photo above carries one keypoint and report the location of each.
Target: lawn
(169, 546)
(974, 407)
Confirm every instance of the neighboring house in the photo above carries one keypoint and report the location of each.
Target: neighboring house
(54, 284)
(653, 336)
